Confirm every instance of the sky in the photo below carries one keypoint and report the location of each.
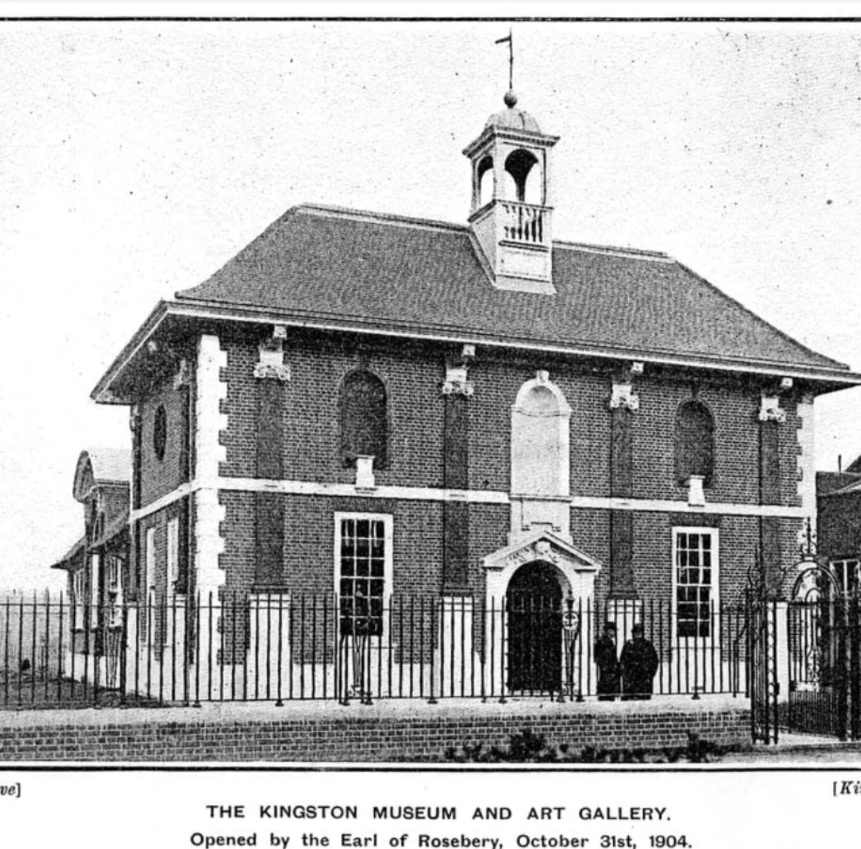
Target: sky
(136, 158)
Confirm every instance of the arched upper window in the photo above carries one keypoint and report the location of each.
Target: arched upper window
(519, 166)
(540, 439)
(363, 417)
(694, 438)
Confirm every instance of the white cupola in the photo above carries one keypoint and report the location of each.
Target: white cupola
(511, 214)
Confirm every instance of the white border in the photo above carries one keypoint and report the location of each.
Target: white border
(688, 643)
(388, 566)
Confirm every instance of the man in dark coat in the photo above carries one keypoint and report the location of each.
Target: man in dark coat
(639, 662)
(607, 662)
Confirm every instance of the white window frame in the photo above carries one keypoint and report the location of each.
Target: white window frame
(388, 560)
(714, 594)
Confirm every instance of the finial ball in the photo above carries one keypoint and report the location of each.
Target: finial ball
(510, 99)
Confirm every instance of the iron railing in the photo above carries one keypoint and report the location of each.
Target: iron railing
(280, 647)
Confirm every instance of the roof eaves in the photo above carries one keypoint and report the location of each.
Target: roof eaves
(195, 307)
(64, 561)
(101, 394)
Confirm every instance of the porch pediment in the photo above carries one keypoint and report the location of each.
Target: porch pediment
(545, 546)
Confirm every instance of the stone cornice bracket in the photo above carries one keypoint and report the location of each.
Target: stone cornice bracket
(183, 375)
(623, 395)
(770, 410)
(270, 364)
(457, 374)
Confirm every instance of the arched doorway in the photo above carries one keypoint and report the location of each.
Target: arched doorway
(534, 605)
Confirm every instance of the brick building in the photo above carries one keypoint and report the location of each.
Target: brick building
(839, 522)
(97, 564)
(378, 407)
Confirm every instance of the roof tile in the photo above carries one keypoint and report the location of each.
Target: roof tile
(342, 265)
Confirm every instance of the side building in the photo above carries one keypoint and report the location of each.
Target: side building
(97, 565)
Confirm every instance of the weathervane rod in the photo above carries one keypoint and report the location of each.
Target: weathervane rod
(510, 39)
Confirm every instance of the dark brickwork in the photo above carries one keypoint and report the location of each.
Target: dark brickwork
(456, 476)
(456, 547)
(621, 486)
(770, 493)
(311, 440)
(488, 532)
(290, 430)
(590, 530)
(769, 463)
(839, 529)
(269, 539)
(621, 453)
(160, 477)
(412, 376)
(736, 438)
(739, 538)
(309, 540)
(622, 554)
(358, 737)
(269, 507)
(157, 588)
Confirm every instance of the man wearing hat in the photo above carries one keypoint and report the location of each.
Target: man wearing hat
(639, 664)
(607, 661)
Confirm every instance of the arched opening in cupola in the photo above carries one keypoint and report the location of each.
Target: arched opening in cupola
(484, 181)
(524, 178)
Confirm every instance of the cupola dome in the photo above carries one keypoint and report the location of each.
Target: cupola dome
(513, 118)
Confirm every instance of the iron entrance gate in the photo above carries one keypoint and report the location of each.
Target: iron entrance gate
(762, 669)
(824, 636)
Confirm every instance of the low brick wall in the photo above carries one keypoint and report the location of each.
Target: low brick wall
(363, 734)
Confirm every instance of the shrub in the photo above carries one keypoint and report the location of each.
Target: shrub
(526, 746)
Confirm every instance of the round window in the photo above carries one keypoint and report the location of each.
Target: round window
(159, 432)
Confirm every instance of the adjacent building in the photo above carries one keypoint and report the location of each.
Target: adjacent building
(839, 523)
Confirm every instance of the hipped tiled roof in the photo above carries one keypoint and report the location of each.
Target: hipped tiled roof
(343, 266)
